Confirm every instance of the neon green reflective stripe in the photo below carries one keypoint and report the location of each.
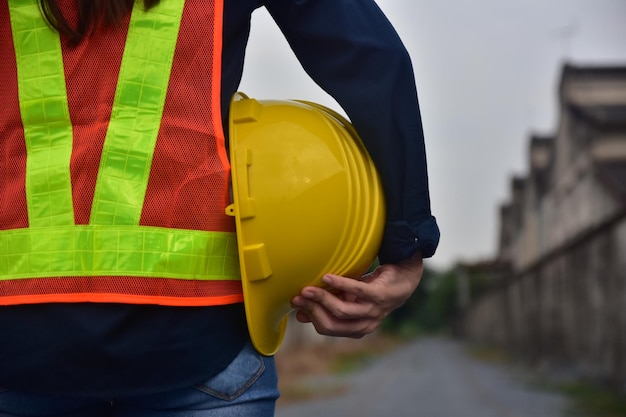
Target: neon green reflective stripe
(45, 116)
(136, 114)
(118, 251)
(113, 244)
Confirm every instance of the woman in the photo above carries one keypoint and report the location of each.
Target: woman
(113, 116)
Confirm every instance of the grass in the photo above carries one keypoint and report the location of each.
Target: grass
(351, 362)
(592, 400)
(302, 370)
(587, 399)
(489, 354)
(303, 391)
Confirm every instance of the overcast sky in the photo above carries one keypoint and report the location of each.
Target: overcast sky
(486, 73)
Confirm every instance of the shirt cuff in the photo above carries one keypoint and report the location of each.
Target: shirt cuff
(401, 241)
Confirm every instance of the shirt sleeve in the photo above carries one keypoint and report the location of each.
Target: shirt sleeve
(350, 49)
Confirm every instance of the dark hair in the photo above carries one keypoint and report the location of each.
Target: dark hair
(90, 14)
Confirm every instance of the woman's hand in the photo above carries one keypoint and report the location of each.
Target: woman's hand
(354, 308)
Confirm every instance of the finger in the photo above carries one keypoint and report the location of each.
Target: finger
(359, 289)
(302, 317)
(326, 324)
(336, 304)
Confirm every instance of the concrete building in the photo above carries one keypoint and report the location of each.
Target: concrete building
(563, 237)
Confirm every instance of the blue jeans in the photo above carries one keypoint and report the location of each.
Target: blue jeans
(246, 388)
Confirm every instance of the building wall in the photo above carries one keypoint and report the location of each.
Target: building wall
(574, 207)
(564, 300)
(554, 312)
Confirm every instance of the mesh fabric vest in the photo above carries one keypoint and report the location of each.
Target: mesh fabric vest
(113, 171)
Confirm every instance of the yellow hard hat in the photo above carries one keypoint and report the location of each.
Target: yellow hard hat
(307, 201)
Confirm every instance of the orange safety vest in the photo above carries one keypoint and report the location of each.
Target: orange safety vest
(113, 172)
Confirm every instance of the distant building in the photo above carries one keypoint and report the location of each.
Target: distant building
(577, 178)
(563, 237)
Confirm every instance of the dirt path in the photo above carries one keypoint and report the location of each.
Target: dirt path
(426, 378)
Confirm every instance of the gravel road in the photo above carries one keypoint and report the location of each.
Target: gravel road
(428, 378)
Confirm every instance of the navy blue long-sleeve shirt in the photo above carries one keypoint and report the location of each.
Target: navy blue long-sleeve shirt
(351, 50)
